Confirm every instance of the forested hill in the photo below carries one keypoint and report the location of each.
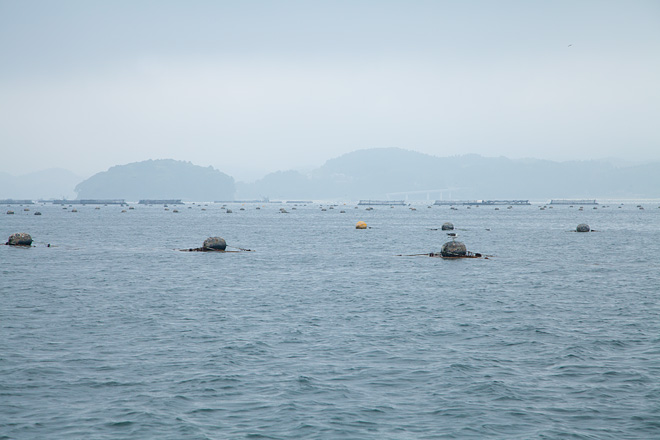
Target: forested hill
(158, 179)
(375, 173)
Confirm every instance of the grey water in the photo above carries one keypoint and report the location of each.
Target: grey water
(322, 332)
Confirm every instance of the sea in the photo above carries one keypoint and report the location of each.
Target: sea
(324, 331)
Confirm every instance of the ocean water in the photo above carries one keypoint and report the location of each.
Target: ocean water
(322, 332)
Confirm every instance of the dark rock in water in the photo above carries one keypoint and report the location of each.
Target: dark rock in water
(215, 243)
(447, 226)
(19, 239)
(583, 227)
(453, 249)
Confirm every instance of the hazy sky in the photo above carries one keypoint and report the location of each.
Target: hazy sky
(256, 86)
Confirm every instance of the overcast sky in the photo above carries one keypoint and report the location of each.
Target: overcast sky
(256, 86)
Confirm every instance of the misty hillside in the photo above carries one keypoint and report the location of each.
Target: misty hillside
(377, 173)
(46, 184)
(158, 179)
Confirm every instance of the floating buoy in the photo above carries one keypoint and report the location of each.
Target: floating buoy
(229, 211)
(453, 249)
(10, 212)
(583, 227)
(20, 239)
(215, 243)
(447, 226)
(360, 225)
(37, 213)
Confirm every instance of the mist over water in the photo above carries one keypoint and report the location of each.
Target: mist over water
(323, 332)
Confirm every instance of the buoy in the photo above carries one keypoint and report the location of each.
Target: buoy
(453, 249)
(20, 239)
(360, 225)
(583, 227)
(447, 226)
(10, 212)
(215, 243)
(37, 213)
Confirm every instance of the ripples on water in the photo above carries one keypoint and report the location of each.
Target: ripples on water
(323, 332)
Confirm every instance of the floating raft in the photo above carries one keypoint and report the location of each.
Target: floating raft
(246, 201)
(160, 202)
(573, 202)
(90, 202)
(468, 254)
(16, 202)
(482, 202)
(382, 202)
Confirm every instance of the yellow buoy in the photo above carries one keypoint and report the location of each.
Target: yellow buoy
(361, 225)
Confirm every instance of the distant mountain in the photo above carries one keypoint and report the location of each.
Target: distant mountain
(396, 173)
(158, 179)
(46, 184)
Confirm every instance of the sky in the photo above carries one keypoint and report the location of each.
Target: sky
(251, 87)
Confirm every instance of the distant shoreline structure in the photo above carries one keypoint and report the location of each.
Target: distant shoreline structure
(573, 202)
(482, 202)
